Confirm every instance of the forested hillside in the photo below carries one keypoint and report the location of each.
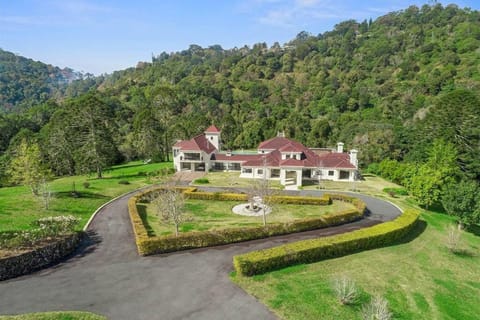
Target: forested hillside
(378, 86)
(362, 83)
(25, 82)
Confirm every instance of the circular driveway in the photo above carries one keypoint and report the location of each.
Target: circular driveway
(106, 275)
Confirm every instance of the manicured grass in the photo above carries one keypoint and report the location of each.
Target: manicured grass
(211, 214)
(232, 180)
(67, 315)
(421, 279)
(18, 207)
(370, 184)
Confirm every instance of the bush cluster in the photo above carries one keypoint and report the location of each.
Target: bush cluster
(393, 192)
(44, 228)
(152, 245)
(201, 181)
(308, 251)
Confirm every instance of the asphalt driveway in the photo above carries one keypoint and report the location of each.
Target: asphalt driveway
(106, 275)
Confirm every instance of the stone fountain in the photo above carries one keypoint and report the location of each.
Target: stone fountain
(253, 208)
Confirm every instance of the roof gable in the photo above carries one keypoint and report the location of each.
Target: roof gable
(212, 129)
(198, 143)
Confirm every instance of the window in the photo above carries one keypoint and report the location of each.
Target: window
(260, 171)
(331, 172)
(246, 170)
(211, 138)
(287, 156)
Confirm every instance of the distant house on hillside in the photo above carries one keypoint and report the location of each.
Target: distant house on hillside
(278, 158)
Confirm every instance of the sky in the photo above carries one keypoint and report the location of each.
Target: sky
(101, 36)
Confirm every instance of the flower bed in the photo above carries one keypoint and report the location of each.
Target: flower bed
(38, 257)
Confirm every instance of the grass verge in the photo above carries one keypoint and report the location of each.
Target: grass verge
(60, 315)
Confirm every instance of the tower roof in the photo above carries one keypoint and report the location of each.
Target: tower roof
(212, 129)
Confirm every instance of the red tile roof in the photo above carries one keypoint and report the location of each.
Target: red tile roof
(335, 160)
(198, 143)
(278, 142)
(212, 129)
(271, 159)
(290, 147)
(234, 157)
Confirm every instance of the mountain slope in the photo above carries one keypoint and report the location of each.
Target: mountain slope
(360, 83)
(25, 82)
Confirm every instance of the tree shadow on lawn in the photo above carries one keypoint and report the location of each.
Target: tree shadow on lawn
(79, 194)
(473, 229)
(142, 212)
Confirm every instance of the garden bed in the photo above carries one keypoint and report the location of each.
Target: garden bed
(149, 243)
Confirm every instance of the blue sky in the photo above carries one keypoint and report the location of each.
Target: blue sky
(100, 36)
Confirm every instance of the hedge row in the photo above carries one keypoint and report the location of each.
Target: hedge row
(152, 245)
(192, 193)
(308, 251)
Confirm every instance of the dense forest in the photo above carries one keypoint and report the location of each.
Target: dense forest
(394, 88)
(25, 82)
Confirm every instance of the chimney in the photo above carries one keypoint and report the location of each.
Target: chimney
(340, 147)
(229, 153)
(353, 157)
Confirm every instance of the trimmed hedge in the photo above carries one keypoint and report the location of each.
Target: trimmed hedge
(308, 251)
(152, 245)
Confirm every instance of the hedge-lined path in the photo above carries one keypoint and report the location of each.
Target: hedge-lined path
(106, 276)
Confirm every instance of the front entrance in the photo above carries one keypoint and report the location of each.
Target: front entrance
(344, 175)
(290, 178)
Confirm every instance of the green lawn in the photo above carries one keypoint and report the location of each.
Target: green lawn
(208, 215)
(370, 184)
(421, 279)
(18, 207)
(232, 180)
(67, 315)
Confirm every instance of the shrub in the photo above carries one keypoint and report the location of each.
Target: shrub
(377, 309)
(55, 226)
(393, 192)
(453, 241)
(308, 251)
(201, 181)
(86, 184)
(124, 182)
(322, 201)
(45, 228)
(345, 290)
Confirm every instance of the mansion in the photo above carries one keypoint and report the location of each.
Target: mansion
(278, 158)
